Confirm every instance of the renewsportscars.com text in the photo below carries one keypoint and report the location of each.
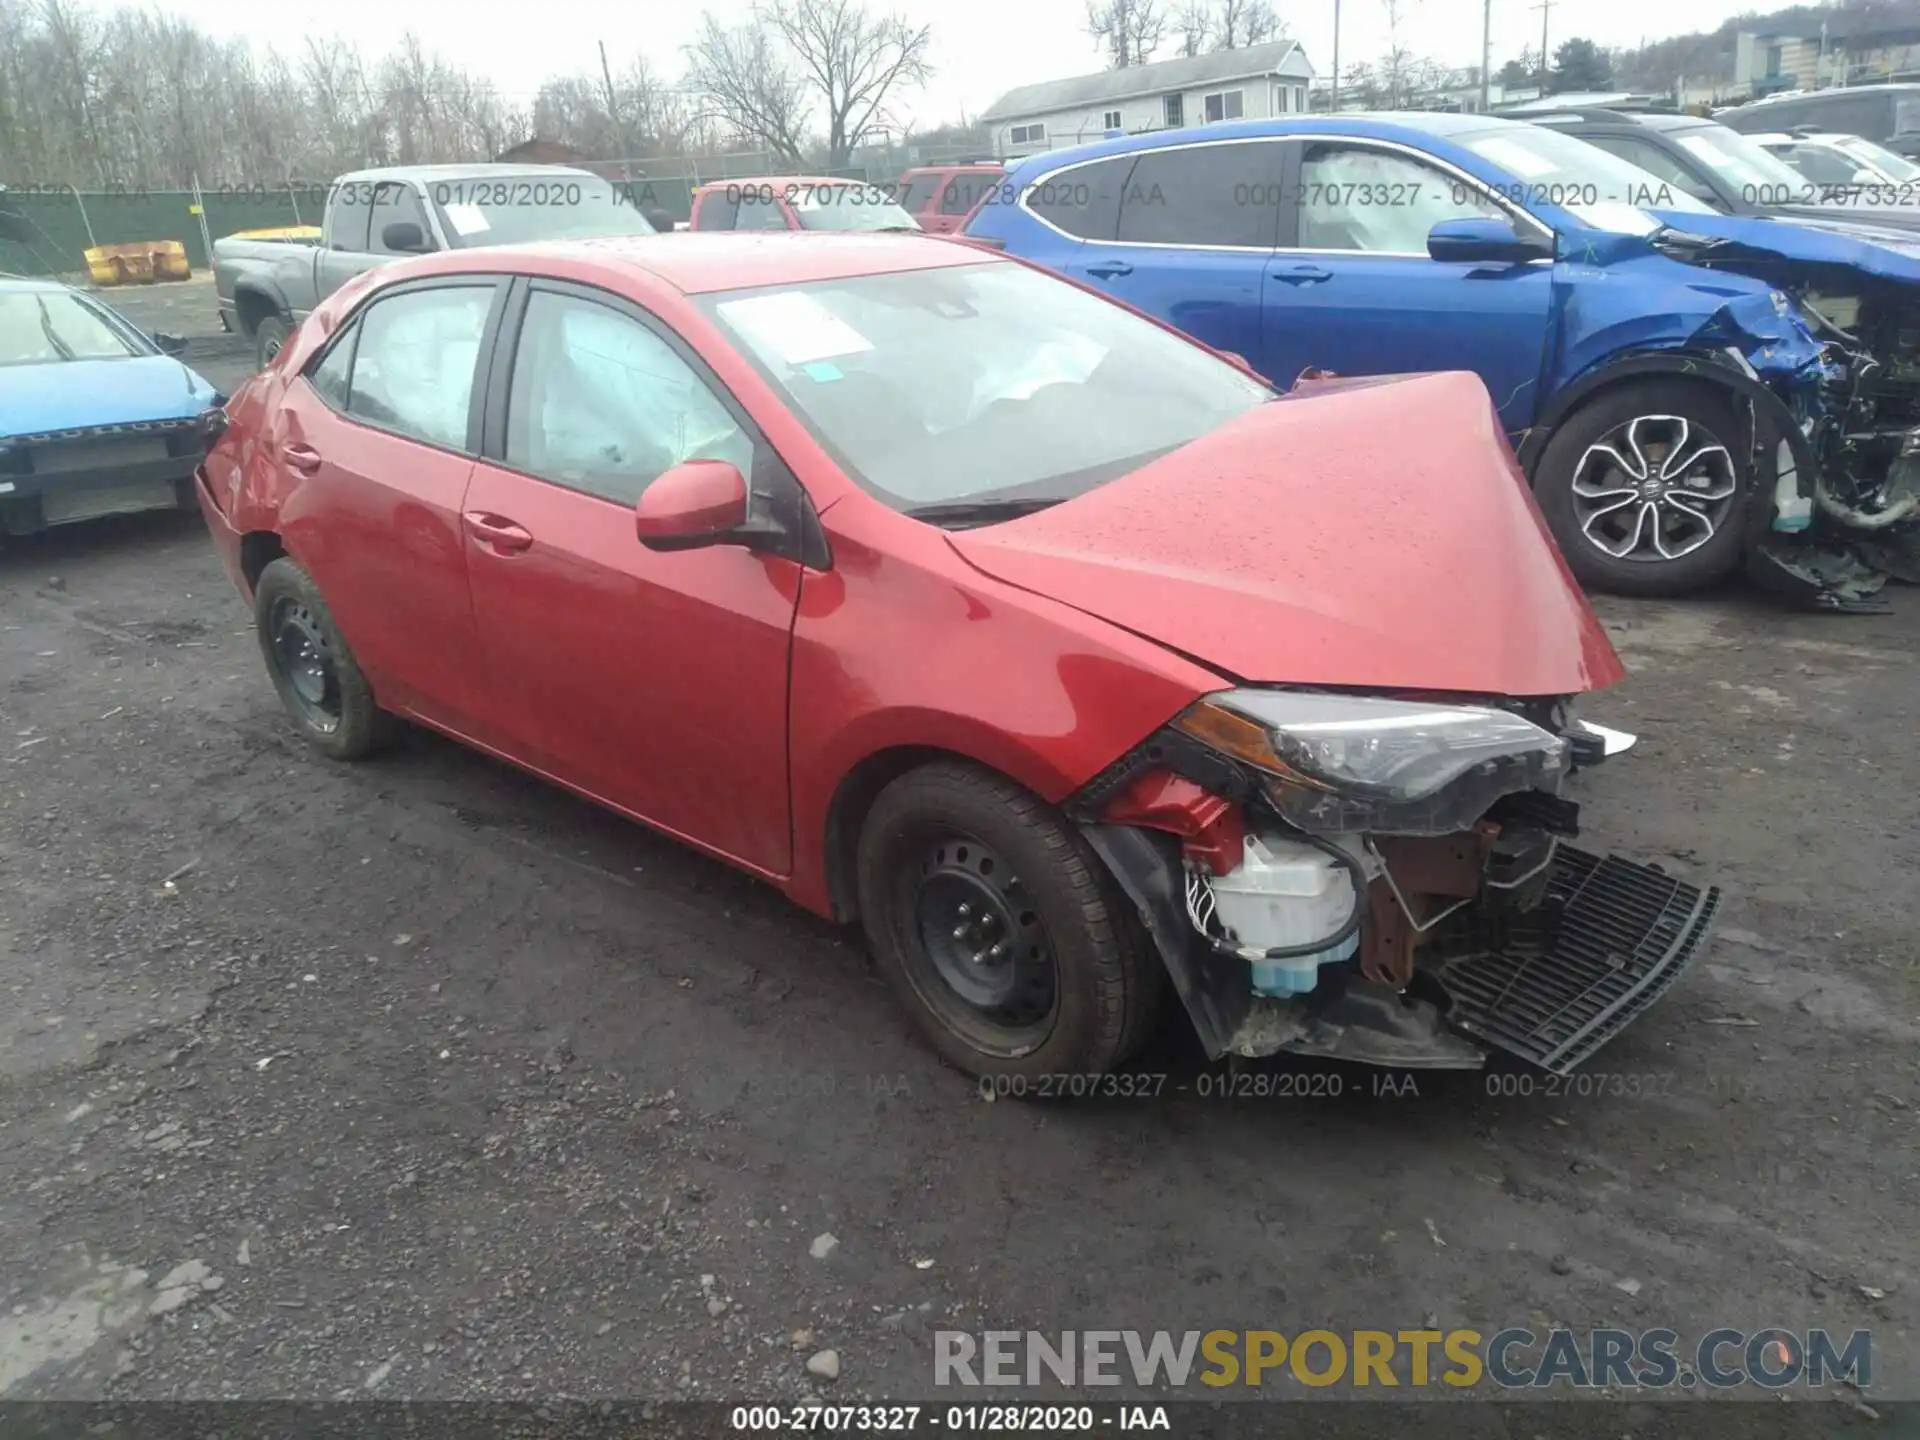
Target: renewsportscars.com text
(1774, 1358)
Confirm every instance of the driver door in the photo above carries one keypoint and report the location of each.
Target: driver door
(656, 682)
(1353, 290)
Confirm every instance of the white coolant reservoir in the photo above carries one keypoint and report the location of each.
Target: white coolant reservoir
(1284, 893)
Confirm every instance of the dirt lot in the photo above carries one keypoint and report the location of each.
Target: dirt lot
(442, 1083)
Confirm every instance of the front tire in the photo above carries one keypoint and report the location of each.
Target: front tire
(269, 337)
(1646, 490)
(319, 680)
(999, 931)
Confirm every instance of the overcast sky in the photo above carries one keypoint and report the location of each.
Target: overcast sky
(981, 47)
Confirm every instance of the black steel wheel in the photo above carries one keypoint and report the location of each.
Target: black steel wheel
(999, 930)
(313, 668)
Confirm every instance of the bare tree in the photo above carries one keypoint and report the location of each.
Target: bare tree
(1247, 22)
(1128, 30)
(1195, 24)
(1397, 64)
(750, 84)
(853, 60)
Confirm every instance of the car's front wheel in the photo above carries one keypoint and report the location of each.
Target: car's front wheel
(1645, 489)
(319, 680)
(999, 931)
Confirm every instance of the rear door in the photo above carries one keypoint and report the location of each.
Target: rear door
(1195, 230)
(378, 434)
(1353, 290)
(655, 681)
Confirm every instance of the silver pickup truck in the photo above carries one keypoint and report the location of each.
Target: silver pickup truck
(266, 287)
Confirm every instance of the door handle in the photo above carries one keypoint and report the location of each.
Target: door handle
(1108, 269)
(1301, 275)
(303, 458)
(497, 532)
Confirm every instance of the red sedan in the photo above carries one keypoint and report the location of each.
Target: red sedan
(1053, 648)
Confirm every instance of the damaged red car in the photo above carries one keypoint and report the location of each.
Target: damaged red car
(1087, 673)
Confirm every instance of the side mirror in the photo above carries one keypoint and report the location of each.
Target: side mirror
(169, 343)
(1864, 177)
(403, 236)
(1484, 238)
(695, 504)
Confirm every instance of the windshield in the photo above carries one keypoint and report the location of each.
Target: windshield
(510, 209)
(1894, 167)
(1603, 190)
(849, 207)
(1748, 168)
(981, 383)
(41, 327)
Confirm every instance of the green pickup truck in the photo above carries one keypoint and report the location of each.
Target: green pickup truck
(266, 287)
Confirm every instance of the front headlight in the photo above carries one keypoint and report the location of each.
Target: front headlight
(1336, 764)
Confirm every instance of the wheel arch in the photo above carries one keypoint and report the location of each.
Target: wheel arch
(253, 303)
(258, 549)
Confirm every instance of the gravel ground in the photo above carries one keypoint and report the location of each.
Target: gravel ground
(420, 1078)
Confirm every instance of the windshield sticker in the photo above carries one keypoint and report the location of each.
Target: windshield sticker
(797, 330)
(1515, 157)
(467, 219)
(824, 371)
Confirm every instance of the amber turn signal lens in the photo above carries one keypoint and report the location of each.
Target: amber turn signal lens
(1231, 734)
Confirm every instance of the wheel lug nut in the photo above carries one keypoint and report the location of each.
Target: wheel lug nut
(959, 932)
(965, 909)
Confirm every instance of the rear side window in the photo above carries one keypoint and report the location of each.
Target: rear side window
(412, 367)
(918, 195)
(349, 209)
(958, 195)
(717, 209)
(1083, 201)
(1204, 195)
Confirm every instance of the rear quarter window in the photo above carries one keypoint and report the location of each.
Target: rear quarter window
(1084, 201)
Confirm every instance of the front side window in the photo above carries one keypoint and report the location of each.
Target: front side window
(42, 327)
(981, 381)
(1825, 165)
(1203, 195)
(412, 369)
(602, 404)
(1656, 162)
(1377, 201)
(1744, 166)
(397, 204)
(1541, 166)
(1896, 168)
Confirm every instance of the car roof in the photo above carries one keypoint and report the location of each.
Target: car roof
(945, 165)
(697, 262)
(31, 285)
(758, 180)
(1601, 115)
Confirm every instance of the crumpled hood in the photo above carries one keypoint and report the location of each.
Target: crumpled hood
(1368, 535)
(75, 393)
(1880, 251)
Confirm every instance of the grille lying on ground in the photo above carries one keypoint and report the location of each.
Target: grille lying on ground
(1554, 986)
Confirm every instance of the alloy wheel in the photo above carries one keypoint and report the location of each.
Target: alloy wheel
(1654, 488)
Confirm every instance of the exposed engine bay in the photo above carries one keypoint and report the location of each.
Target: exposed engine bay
(1387, 881)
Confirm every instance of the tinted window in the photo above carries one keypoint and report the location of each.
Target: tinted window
(919, 193)
(1375, 200)
(717, 209)
(348, 212)
(602, 404)
(759, 210)
(330, 375)
(1204, 195)
(413, 365)
(396, 204)
(1083, 201)
(958, 195)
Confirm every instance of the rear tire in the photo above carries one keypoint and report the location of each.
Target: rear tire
(319, 680)
(1628, 518)
(269, 337)
(999, 930)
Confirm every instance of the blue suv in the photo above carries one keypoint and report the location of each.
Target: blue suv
(1679, 403)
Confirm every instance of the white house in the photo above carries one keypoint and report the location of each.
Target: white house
(1253, 83)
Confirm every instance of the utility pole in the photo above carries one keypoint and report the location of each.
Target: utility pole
(1334, 107)
(1545, 7)
(619, 125)
(1486, 56)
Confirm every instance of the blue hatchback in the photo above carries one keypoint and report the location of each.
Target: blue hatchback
(1673, 405)
(96, 417)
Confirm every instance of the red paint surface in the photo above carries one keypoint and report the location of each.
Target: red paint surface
(1371, 536)
(1376, 536)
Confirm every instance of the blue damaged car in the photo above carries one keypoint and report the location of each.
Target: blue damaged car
(96, 417)
(1689, 393)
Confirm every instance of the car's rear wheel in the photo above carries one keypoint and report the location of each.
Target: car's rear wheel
(269, 338)
(999, 931)
(1646, 490)
(319, 680)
